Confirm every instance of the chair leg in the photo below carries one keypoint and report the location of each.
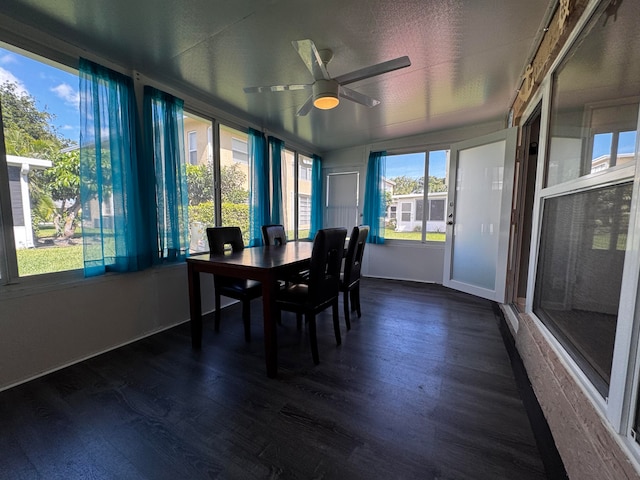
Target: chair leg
(313, 339)
(347, 320)
(246, 319)
(336, 321)
(216, 323)
(356, 295)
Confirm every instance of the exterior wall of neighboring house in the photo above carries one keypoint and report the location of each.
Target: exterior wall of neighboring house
(18, 169)
(407, 212)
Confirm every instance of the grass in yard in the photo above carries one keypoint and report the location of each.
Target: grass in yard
(391, 234)
(36, 261)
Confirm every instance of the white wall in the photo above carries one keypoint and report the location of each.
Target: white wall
(44, 329)
(401, 259)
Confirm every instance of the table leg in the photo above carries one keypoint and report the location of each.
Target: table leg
(270, 328)
(195, 306)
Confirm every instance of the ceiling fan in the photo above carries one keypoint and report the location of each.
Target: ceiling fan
(326, 90)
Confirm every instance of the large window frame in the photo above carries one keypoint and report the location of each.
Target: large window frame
(405, 208)
(619, 406)
(10, 277)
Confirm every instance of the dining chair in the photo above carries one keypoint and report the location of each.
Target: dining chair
(323, 287)
(274, 235)
(350, 278)
(239, 289)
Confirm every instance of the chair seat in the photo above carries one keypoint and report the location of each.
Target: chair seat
(296, 298)
(239, 286)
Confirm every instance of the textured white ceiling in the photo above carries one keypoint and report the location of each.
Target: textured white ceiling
(467, 55)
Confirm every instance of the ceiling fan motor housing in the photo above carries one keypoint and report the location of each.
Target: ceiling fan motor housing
(325, 94)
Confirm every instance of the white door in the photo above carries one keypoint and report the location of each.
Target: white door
(478, 214)
(342, 200)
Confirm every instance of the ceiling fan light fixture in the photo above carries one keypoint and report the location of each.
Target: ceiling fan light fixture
(325, 94)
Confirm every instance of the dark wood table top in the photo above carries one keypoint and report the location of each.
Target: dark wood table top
(262, 258)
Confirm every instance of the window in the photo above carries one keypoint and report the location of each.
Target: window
(234, 179)
(192, 146)
(406, 212)
(41, 123)
(199, 183)
(405, 191)
(240, 149)
(305, 170)
(305, 188)
(296, 193)
(582, 251)
(590, 166)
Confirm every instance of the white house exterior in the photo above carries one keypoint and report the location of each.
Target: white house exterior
(408, 212)
(18, 169)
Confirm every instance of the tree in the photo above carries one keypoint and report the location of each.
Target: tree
(436, 184)
(406, 185)
(29, 132)
(232, 184)
(20, 113)
(199, 183)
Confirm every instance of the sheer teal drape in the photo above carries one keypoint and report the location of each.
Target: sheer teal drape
(374, 201)
(164, 147)
(277, 209)
(258, 186)
(113, 233)
(316, 196)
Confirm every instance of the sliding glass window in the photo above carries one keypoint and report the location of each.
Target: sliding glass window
(586, 203)
(41, 203)
(414, 212)
(234, 179)
(296, 192)
(200, 179)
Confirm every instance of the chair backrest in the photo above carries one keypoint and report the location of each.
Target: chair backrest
(326, 263)
(274, 235)
(355, 250)
(220, 236)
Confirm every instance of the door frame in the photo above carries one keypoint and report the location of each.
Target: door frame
(498, 294)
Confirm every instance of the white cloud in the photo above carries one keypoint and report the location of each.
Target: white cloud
(8, 58)
(68, 94)
(7, 76)
(69, 127)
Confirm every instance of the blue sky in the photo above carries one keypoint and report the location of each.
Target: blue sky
(55, 91)
(412, 164)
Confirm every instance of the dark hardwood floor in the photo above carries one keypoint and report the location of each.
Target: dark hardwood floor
(421, 388)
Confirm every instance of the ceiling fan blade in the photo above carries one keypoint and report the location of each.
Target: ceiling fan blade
(276, 88)
(306, 107)
(358, 97)
(373, 70)
(311, 58)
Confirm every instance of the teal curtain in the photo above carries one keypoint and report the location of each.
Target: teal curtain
(164, 147)
(113, 233)
(277, 208)
(374, 201)
(258, 186)
(316, 196)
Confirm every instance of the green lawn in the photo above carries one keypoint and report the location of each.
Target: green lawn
(390, 234)
(36, 261)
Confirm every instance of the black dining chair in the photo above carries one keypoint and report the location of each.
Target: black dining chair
(239, 289)
(323, 287)
(274, 235)
(350, 278)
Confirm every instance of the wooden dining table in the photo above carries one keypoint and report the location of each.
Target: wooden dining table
(264, 264)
